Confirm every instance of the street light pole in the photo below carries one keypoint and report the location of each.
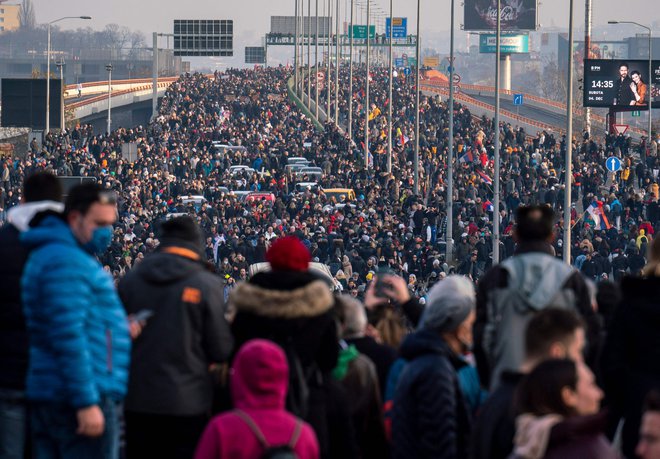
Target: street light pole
(366, 106)
(496, 178)
(109, 69)
(295, 50)
(389, 104)
(416, 166)
(568, 178)
(48, 66)
(316, 63)
(450, 154)
(650, 82)
(337, 63)
(309, 55)
(350, 78)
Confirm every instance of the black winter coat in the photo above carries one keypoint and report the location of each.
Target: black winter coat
(430, 418)
(13, 334)
(495, 426)
(631, 355)
(186, 334)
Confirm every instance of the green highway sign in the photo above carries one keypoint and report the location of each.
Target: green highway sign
(637, 113)
(360, 32)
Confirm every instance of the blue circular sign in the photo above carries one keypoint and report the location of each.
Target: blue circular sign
(406, 71)
(613, 164)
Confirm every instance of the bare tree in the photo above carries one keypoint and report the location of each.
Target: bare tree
(27, 15)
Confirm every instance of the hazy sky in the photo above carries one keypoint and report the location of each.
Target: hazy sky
(252, 17)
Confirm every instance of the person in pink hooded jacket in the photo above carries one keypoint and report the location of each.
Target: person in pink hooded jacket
(259, 380)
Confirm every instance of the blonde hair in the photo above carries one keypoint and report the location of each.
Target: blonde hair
(653, 266)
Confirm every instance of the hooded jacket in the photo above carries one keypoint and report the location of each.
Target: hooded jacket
(186, 333)
(430, 418)
(79, 340)
(259, 381)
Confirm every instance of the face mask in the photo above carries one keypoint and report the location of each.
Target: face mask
(101, 238)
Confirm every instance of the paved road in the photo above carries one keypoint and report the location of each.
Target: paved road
(528, 111)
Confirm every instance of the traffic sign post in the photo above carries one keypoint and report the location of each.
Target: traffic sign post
(621, 128)
(457, 78)
(517, 99)
(613, 164)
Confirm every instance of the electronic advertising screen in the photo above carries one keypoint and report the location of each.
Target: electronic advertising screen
(622, 84)
(481, 15)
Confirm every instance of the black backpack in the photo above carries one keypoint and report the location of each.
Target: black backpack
(300, 379)
(272, 452)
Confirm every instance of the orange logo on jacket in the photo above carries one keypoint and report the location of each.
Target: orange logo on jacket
(191, 295)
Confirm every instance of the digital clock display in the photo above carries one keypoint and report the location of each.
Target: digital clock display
(618, 84)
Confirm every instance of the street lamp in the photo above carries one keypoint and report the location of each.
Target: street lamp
(650, 83)
(48, 66)
(108, 67)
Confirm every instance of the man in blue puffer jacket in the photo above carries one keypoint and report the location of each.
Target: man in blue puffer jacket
(79, 334)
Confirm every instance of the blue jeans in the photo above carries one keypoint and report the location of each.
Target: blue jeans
(54, 435)
(13, 424)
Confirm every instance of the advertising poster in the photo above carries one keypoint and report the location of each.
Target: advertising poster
(515, 15)
(623, 84)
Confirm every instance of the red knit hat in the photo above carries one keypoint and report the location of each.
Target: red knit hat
(288, 254)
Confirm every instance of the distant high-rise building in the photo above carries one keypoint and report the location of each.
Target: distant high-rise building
(9, 17)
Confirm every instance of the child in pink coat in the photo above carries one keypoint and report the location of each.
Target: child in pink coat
(259, 381)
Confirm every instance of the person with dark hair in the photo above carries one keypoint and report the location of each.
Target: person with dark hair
(170, 392)
(623, 93)
(41, 194)
(511, 293)
(78, 331)
(649, 433)
(551, 334)
(558, 404)
(630, 362)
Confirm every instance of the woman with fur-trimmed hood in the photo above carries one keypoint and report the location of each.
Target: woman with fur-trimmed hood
(292, 307)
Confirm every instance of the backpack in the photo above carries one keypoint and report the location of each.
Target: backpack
(297, 397)
(535, 282)
(272, 452)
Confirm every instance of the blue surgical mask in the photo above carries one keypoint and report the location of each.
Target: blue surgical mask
(101, 238)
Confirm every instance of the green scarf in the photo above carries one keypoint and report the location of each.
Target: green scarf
(346, 356)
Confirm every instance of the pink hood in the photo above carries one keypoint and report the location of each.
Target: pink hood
(259, 376)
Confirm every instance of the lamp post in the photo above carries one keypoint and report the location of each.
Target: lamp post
(449, 237)
(389, 104)
(48, 66)
(108, 67)
(366, 105)
(568, 176)
(350, 78)
(60, 65)
(650, 83)
(496, 175)
(416, 166)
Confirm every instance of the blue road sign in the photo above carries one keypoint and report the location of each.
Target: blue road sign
(398, 62)
(400, 29)
(517, 99)
(613, 164)
(406, 71)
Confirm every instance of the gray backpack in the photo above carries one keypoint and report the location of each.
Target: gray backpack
(535, 282)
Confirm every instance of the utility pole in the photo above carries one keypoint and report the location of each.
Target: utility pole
(389, 104)
(350, 78)
(367, 106)
(569, 142)
(416, 166)
(337, 63)
(450, 154)
(496, 179)
(108, 67)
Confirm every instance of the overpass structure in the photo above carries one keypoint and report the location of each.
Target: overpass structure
(537, 113)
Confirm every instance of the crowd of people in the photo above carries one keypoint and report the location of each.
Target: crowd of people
(312, 373)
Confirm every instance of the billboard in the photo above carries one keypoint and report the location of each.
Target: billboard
(400, 29)
(620, 84)
(286, 25)
(203, 37)
(431, 61)
(24, 103)
(255, 55)
(509, 43)
(514, 15)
